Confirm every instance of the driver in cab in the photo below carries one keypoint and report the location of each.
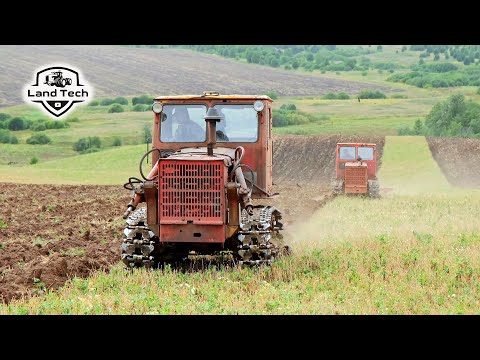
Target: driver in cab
(187, 129)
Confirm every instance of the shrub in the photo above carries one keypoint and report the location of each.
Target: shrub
(272, 94)
(4, 117)
(142, 99)
(329, 96)
(115, 108)
(17, 123)
(343, 96)
(288, 107)
(106, 102)
(33, 160)
(287, 115)
(70, 120)
(56, 124)
(120, 100)
(140, 107)
(7, 138)
(38, 126)
(94, 103)
(404, 131)
(39, 139)
(117, 141)
(91, 150)
(399, 96)
(478, 91)
(83, 144)
(371, 94)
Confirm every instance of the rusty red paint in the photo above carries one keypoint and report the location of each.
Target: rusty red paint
(371, 164)
(192, 233)
(192, 191)
(258, 155)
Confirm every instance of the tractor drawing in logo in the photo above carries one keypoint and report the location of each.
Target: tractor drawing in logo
(57, 80)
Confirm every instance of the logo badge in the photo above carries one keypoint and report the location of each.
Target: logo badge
(57, 89)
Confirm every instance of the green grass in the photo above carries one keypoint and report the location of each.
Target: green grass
(382, 275)
(408, 167)
(414, 251)
(94, 121)
(108, 167)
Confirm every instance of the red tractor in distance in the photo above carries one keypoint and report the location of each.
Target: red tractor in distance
(356, 169)
(211, 161)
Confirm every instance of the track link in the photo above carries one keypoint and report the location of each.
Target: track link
(138, 241)
(257, 242)
(259, 237)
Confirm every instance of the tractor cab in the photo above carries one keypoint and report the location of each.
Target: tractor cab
(356, 169)
(245, 120)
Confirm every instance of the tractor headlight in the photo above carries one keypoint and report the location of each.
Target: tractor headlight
(258, 105)
(157, 107)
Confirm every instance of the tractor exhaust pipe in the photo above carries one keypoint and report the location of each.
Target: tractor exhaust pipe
(213, 116)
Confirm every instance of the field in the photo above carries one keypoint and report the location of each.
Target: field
(120, 71)
(415, 250)
(408, 255)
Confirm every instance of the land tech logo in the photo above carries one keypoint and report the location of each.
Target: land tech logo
(57, 89)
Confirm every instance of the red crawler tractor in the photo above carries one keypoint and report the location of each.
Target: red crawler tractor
(212, 157)
(356, 169)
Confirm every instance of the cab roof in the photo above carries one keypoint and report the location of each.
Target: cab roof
(214, 97)
(356, 144)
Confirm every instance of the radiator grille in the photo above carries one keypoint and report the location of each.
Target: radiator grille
(191, 190)
(355, 176)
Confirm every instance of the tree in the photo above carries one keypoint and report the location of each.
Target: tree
(436, 57)
(379, 48)
(418, 127)
(446, 116)
(16, 124)
(404, 48)
(274, 62)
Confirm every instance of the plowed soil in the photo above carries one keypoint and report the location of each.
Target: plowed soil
(49, 233)
(458, 158)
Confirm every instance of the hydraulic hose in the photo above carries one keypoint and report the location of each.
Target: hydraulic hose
(143, 158)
